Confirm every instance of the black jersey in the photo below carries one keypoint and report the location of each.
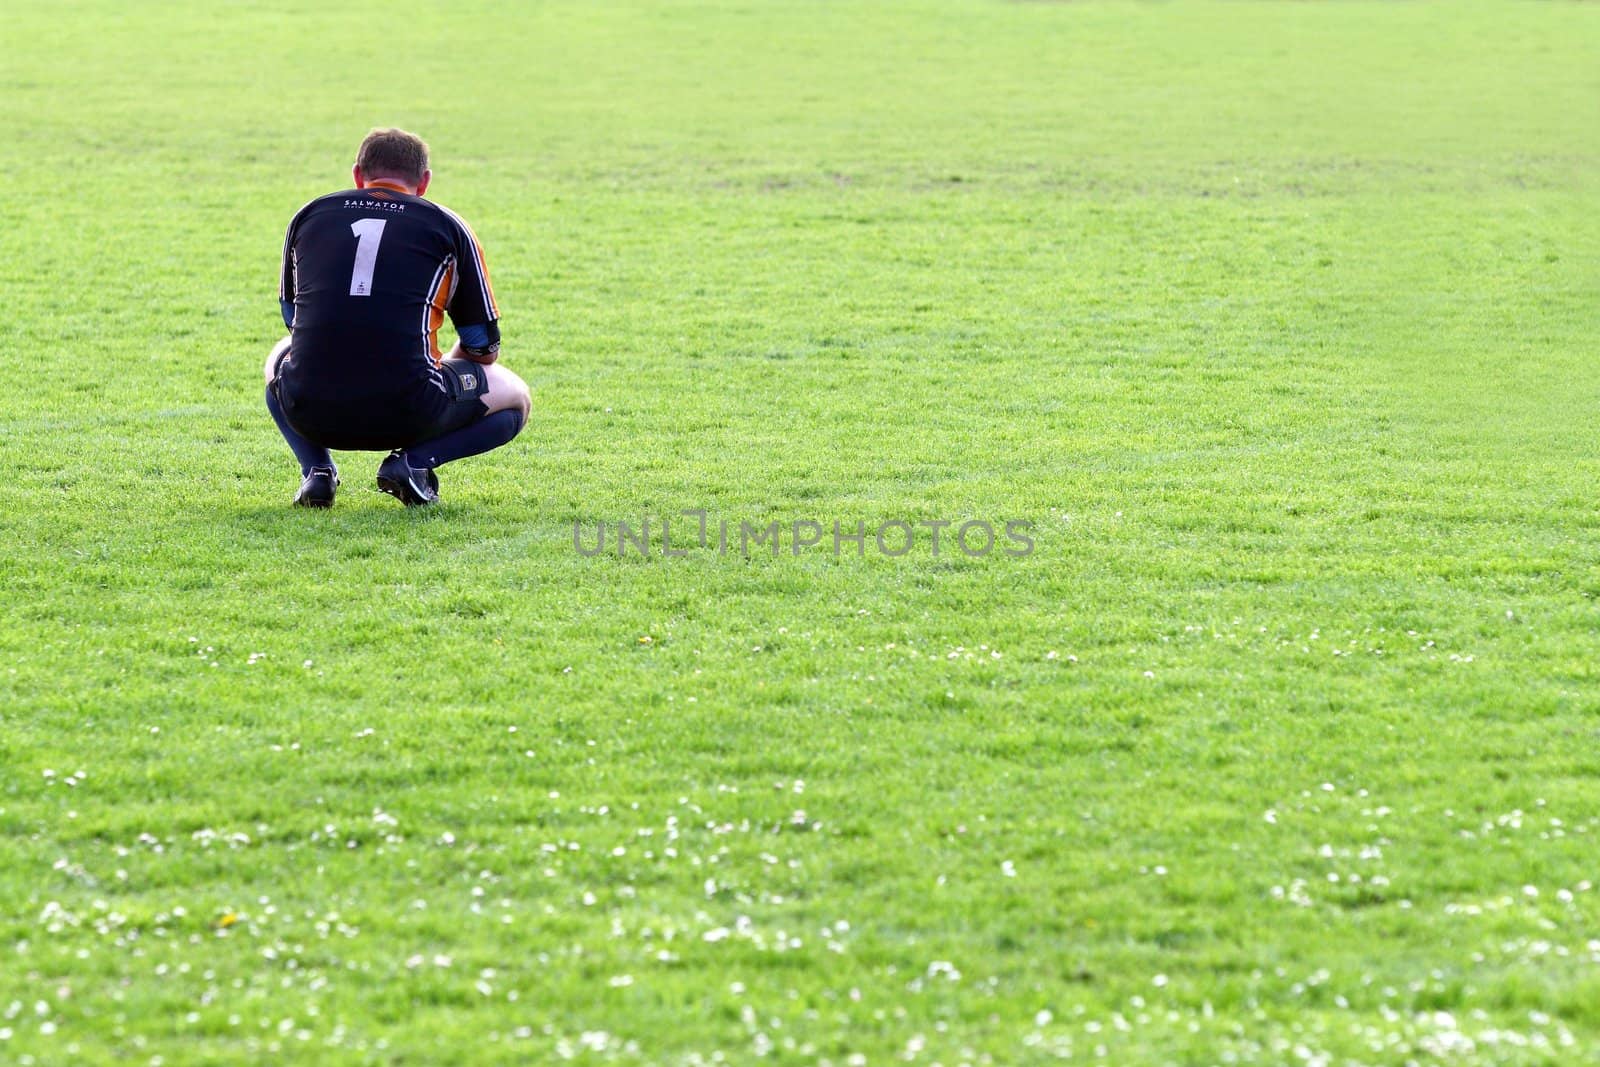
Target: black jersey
(368, 276)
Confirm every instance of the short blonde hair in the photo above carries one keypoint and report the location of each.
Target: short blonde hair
(393, 153)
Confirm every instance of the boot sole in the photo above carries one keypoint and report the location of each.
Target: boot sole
(402, 492)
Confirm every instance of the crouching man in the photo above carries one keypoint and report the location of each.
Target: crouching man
(369, 275)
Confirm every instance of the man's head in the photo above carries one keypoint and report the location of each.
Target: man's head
(395, 156)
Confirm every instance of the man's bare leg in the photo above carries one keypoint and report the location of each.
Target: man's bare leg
(408, 474)
(506, 392)
(506, 405)
(273, 356)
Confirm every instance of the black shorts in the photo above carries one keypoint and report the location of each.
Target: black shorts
(362, 421)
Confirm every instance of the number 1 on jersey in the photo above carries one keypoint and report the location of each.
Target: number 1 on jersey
(368, 233)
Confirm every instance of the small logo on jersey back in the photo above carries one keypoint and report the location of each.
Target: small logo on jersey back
(469, 381)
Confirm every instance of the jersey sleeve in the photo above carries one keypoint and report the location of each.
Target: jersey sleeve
(286, 271)
(473, 311)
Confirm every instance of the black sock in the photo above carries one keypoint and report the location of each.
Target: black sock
(310, 455)
(491, 431)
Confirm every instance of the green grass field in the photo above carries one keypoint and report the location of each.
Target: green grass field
(1278, 320)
